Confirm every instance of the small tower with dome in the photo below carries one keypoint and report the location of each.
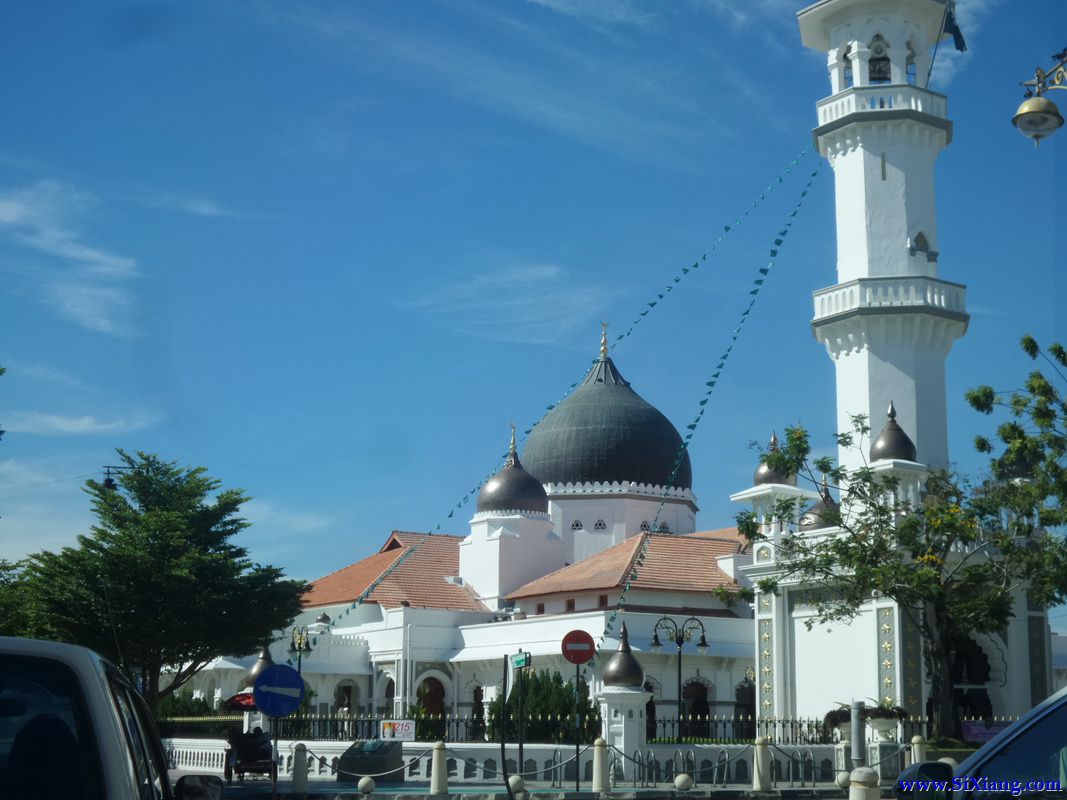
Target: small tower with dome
(623, 698)
(511, 539)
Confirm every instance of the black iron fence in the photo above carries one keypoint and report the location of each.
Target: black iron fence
(222, 726)
(539, 729)
(696, 729)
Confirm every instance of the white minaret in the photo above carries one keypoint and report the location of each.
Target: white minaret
(889, 322)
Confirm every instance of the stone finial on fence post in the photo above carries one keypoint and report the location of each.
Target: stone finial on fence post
(863, 784)
(918, 749)
(600, 765)
(438, 770)
(761, 765)
(300, 769)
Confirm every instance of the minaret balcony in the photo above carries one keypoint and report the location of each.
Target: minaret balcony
(883, 97)
(895, 294)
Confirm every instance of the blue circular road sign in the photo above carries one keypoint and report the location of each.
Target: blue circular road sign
(279, 690)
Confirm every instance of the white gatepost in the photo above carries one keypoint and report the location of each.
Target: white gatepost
(622, 711)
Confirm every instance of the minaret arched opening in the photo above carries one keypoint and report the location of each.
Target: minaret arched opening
(879, 70)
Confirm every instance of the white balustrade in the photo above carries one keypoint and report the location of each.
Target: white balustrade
(901, 292)
(859, 99)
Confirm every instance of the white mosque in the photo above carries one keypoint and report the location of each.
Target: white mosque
(595, 520)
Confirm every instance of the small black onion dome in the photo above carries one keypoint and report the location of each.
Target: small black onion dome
(258, 666)
(513, 488)
(815, 516)
(892, 442)
(623, 669)
(765, 474)
(606, 433)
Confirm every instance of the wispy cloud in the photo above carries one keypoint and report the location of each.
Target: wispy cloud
(971, 16)
(603, 12)
(41, 217)
(276, 517)
(85, 283)
(45, 424)
(38, 372)
(42, 505)
(601, 99)
(200, 207)
(509, 304)
(98, 308)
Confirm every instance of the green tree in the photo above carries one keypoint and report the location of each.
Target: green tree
(959, 562)
(12, 602)
(157, 584)
(548, 708)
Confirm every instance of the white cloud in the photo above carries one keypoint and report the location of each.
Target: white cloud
(39, 372)
(98, 308)
(971, 16)
(200, 207)
(532, 303)
(87, 285)
(45, 424)
(41, 217)
(42, 506)
(606, 102)
(609, 12)
(269, 516)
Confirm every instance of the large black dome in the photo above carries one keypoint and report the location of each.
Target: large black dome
(604, 432)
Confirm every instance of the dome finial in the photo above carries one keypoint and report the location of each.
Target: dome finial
(603, 339)
(511, 447)
(892, 412)
(773, 444)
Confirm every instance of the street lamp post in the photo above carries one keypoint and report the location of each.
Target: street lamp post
(300, 643)
(1038, 116)
(679, 634)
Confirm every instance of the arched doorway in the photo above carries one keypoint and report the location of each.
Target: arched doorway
(695, 703)
(650, 713)
(390, 694)
(478, 713)
(346, 696)
(431, 697)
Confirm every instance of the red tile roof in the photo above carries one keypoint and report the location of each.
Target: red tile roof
(410, 566)
(672, 563)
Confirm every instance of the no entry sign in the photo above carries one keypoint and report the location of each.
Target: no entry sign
(578, 647)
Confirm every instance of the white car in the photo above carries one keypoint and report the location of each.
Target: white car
(72, 727)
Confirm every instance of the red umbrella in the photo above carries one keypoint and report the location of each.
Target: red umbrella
(242, 701)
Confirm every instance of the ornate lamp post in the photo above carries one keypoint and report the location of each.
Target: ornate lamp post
(679, 634)
(1038, 116)
(300, 643)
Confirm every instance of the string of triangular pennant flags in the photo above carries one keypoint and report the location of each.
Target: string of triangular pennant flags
(677, 279)
(680, 276)
(757, 286)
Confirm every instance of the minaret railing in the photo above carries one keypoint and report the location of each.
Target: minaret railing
(859, 99)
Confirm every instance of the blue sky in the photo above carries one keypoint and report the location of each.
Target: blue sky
(330, 250)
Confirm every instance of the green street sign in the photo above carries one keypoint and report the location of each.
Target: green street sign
(520, 660)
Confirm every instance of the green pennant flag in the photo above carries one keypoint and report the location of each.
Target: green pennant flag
(702, 258)
(727, 228)
(764, 270)
(778, 241)
(685, 270)
(677, 279)
(704, 402)
(691, 426)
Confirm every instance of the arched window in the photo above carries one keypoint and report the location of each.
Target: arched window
(600, 525)
(645, 527)
(910, 70)
(878, 69)
(846, 58)
(577, 525)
